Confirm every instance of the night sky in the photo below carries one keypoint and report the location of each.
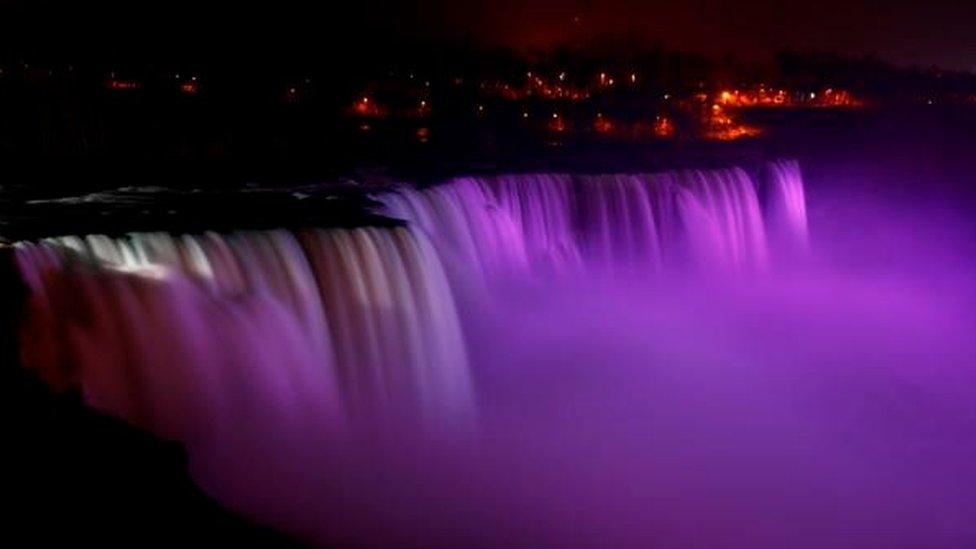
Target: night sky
(934, 32)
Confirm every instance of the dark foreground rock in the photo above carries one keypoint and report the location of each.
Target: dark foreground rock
(73, 475)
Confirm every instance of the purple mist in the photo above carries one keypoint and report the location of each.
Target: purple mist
(639, 360)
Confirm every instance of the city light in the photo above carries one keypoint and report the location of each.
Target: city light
(763, 97)
(122, 85)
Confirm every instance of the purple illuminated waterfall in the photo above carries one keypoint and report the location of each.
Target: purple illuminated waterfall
(542, 360)
(707, 219)
(786, 207)
(184, 334)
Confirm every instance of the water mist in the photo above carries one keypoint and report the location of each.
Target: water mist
(670, 359)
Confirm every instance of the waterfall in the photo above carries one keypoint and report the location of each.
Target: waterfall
(183, 334)
(785, 207)
(482, 238)
(638, 223)
(308, 372)
(155, 327)
(618, 222)
(287, 346)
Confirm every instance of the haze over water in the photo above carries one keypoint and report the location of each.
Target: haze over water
(663, 359)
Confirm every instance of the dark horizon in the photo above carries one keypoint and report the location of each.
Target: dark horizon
(289, 31)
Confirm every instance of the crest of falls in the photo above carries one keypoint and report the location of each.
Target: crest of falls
(268, 352)
(373, 387)
(544, 223)
(183, 334)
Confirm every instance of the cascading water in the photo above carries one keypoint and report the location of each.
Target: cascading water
(651, 410)
(167, 331)
(709, 219)
(188, 335)
(361, 320)
(785, 207)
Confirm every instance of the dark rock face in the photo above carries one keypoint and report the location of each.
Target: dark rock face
(75, 475)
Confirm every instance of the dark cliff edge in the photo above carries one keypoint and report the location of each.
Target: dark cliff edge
(74, 474)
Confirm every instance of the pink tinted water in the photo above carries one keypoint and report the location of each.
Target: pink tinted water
(640, 360)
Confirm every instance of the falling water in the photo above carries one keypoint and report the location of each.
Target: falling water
(754, 411)
(785, 207)
(166, 330)
(709, 219)
(188, 333)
